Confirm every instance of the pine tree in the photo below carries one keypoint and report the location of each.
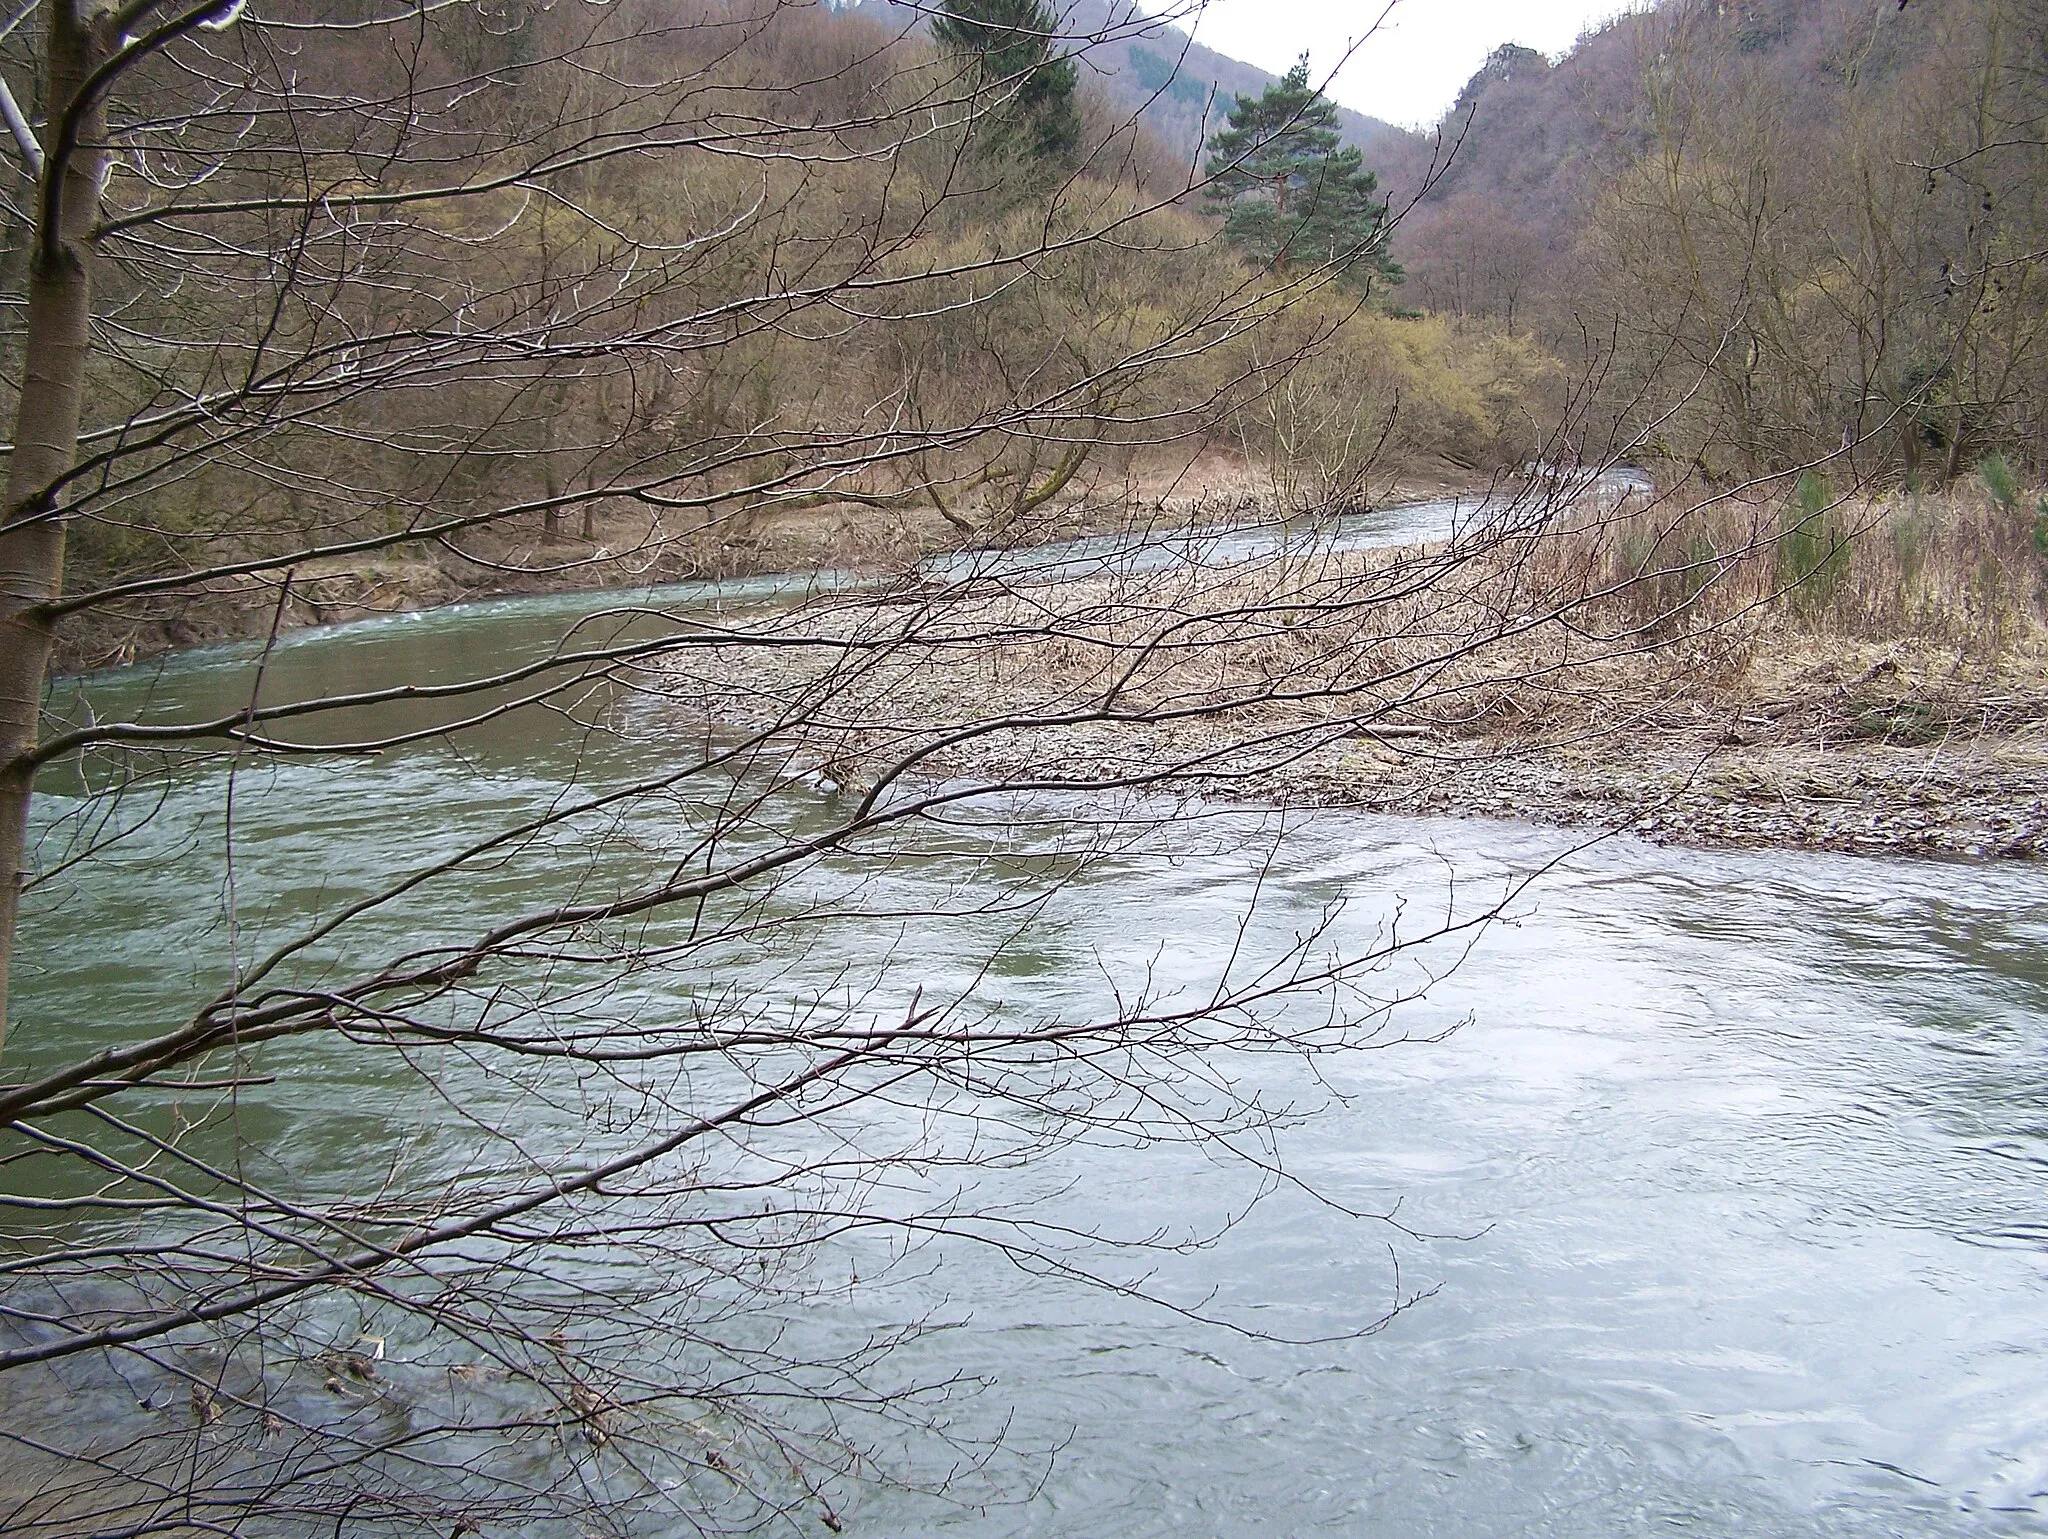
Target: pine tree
(1011, 43)
(1290, 192)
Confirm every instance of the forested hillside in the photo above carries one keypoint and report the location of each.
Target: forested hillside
(1774, 231)
(1733, 240)
(804, 260)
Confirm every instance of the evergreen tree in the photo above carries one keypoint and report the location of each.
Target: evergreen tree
(1011, 44)
(1289, 192)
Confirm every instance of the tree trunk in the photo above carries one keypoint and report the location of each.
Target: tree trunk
(552, 397)
(58, 336)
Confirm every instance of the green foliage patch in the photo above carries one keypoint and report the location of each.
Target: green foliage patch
(1291, 194)
(1813, 554)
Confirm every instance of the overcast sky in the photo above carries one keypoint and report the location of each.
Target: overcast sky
(1411, 70)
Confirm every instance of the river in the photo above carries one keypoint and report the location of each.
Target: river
(1721, 1179)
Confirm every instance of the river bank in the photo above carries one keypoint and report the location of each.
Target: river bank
(1402, 682)
(1973, 794)
(1818, 1075)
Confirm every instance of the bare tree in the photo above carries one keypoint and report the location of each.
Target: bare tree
(310, 285)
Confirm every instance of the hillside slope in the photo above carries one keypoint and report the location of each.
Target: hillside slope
(1530, 142)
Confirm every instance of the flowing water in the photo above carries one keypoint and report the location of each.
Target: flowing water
(1721, 1179)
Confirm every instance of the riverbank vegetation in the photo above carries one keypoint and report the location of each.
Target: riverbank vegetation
(320, 310)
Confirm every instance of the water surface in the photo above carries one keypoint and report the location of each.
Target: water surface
(1721, 1179)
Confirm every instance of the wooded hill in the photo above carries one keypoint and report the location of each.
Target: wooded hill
(655, 276)
(783, 266)
(1775, 230)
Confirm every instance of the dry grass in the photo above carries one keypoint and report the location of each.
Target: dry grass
(1959, 571)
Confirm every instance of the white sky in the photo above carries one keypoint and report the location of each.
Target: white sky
(1410, 71)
